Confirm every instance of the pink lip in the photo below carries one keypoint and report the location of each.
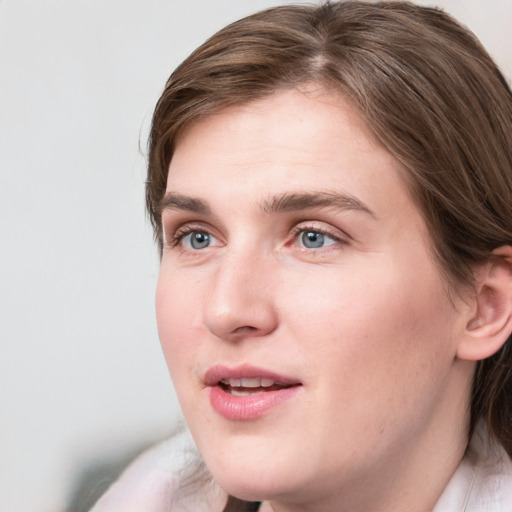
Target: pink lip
(244, 408)
(217, 373)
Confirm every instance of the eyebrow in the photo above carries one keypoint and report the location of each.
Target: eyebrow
(175, 201)
(286, 202)
(301, 201)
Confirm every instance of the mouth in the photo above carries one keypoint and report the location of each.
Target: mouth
(247, 386)
(247, 379)
(246, 392)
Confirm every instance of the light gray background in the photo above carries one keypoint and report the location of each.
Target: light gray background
(82, 380)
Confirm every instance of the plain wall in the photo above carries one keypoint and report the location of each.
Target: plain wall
(82, 381)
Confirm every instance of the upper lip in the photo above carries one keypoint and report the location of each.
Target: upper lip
(219, 372)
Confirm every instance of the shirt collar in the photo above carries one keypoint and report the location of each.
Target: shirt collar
(483, 480)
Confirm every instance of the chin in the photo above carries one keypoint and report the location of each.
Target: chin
(255, 476)
(252, 487)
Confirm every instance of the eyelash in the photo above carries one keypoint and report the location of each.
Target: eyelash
(298, 230)
(182, 232)
(177, 237)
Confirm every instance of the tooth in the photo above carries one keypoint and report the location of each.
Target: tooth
(251, 383)
(234, 383)
(266, 383)
(224, 381)
(237, 392)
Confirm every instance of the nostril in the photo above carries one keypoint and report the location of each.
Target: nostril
(245, 329)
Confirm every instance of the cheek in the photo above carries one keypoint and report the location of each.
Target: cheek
(177, 314)
(381, 331)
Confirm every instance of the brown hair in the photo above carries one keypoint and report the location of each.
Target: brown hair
(428, 90)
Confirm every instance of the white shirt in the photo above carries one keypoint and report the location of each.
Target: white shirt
(483, 480)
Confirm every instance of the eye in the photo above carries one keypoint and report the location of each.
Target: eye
(313, 239)
(191, 238)
(197, 240)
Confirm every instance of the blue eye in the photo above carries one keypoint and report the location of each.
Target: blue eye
(197, 240)
(315, 239)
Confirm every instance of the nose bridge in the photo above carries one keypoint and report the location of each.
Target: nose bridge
(240, 301)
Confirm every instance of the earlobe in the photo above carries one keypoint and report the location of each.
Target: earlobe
(490, 323)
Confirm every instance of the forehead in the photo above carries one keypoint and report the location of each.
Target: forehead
(291, 141)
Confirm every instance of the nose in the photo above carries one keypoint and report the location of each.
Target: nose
(240, 302)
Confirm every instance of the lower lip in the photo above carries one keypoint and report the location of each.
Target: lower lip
(244, 408)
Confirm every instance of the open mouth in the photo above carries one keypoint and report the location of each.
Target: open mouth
(250, 386)
(246, 393)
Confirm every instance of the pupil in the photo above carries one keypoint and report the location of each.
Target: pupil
(199, 240)
(313, 239)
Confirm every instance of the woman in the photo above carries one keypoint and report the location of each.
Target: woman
(331, 190)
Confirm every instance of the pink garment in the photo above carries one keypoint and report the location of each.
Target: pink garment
(154, 482)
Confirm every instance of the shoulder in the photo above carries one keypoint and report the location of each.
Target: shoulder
(170, 476)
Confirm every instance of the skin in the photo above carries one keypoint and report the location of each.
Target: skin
(363, 321)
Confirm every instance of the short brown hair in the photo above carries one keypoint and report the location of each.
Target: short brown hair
(427, 89)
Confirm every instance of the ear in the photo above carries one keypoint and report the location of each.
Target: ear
(490, 320)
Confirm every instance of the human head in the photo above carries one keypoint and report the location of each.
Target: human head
(427, 90)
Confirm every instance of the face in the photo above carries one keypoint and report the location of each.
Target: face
(304, 322)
